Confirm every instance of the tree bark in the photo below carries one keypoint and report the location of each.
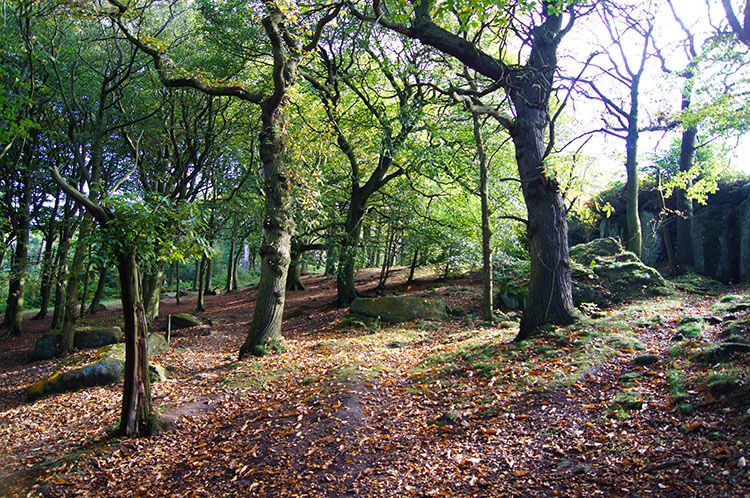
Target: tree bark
(550, 297)
(294, 274)
(230, 266)
(265, 327)
(70, 315)
(197, 278)
(413, 266)
(48, 266)
(99, 292)
(487, 307)
(633, 244)
(17, 282)
(85, 291)
(201, 278)
(152, 292)
(177, 282)
(684, 254)
(136, 416)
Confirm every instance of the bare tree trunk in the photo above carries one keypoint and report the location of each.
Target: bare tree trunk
(201, 283)
(197, 278)
(17, 282)
(486, 231)
(85, 292)
(550, 295)
(265, 328)
(177, 282)
(48, 266)
(152, 292)
(71, 294)
(230, 265)
(99, 293)
(413, 266)
(136, 417)
(235, 282)
(685, 257)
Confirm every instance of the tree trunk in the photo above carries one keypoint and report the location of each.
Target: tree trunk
(265, 327)
(70, 314)
(235, 281)
(48, 267)
(136, 417)
(331, 258)
(549, 298)
(99, 293)
(85, 291)
(16, 287)
(201, 283)
(61, 270)
(294, 275)
(152, 292)
(633, 244)
(230, 266)
(346, 292)
(209, 270)
(177, 282)
(487, 307)
(197, 277)
(685, 257)
(413, 266)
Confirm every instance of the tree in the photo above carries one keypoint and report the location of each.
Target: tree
(741, 30)
(286, 42)
(626, 70)
(529, 86)
(356, 105)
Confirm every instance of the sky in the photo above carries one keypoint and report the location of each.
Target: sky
(657, 92)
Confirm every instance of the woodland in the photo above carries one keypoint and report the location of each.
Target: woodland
(374, 247)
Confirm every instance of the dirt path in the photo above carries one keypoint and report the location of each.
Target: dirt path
(416, 410)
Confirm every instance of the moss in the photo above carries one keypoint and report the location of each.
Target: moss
(691, 329)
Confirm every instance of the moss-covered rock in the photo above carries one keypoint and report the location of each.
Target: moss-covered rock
(586, 253)
(613, 273)
(690, 327)
(107, 367)
(396, 309)
(46, 346)
(95, 337)
(185, 320)
(731, 303)
(645, 359)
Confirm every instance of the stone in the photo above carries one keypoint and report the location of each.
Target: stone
(46, 346)
(605, 273)
(157, 373)
(185, 320)
(731, 303)
(586, 253)
(645, 359)
(107, 367)
(91, 337)
(397, 309)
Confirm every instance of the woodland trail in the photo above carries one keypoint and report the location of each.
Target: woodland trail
(364, 409)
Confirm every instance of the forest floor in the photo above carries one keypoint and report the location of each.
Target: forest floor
(361, 408)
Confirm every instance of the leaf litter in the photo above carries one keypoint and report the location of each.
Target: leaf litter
(417, 409)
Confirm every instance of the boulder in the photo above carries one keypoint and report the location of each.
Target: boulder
(93, 337)
(603, 273)
(107, 367)
(46, 346)
(731, 303)
(185, 320)
(396, 309)
(618, 274)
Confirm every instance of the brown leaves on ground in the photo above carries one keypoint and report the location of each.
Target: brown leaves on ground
(420, 409)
